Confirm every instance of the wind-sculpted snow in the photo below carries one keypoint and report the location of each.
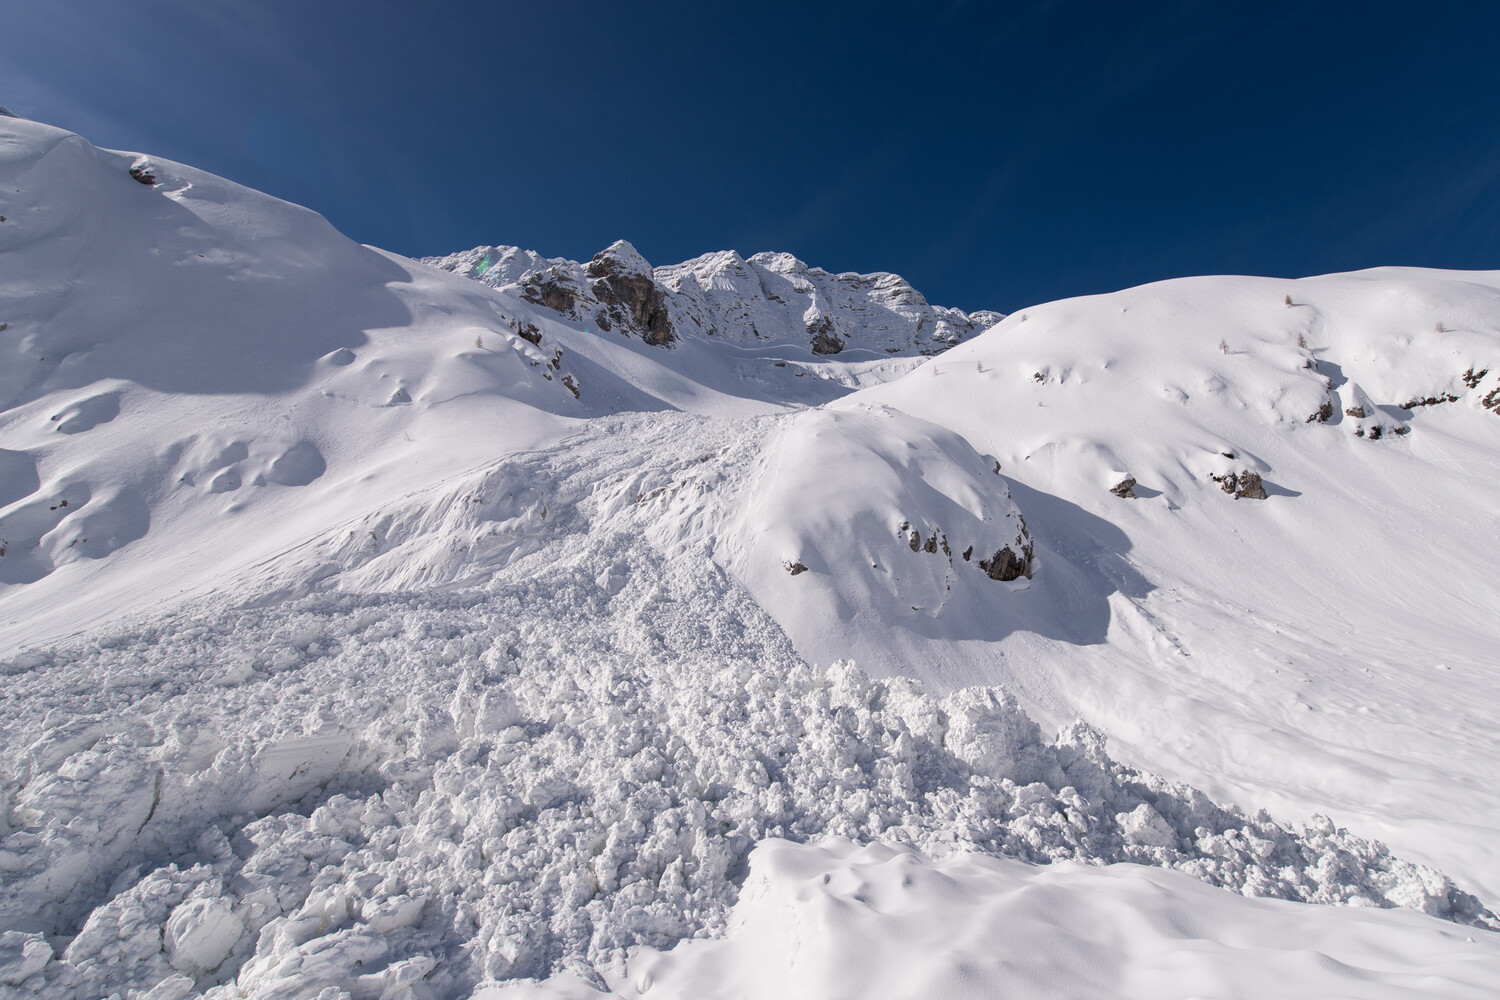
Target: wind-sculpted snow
(883, 922)
(365, 792)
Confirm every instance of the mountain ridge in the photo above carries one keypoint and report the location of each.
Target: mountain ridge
(770, 298)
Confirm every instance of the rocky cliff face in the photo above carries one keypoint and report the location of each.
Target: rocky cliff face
(770, 298)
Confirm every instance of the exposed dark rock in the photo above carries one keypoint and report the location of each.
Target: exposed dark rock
(529, 332)
(1125, 488)
(1324, 414)
(550, 291)
(1416, 401)
(1492, 401)
(968, 553)
(571, 384)
(141, 170)
(824, 340)
(1357, 412)
(1007, 564)
(1242, 485)
(794, 567)
(622, 280)
(1472, 378)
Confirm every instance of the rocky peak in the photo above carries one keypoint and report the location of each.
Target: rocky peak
(622, 283)
(769, 298)
(619, 258)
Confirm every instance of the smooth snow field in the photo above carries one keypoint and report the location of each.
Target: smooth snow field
(370, 631)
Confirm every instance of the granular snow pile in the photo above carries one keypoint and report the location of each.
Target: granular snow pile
(365, 793)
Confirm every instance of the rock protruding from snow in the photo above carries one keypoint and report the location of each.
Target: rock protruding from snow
(1242, 484)
(621, 280)
(771, 298)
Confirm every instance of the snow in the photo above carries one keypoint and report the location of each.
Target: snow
(1329, 647)
(316, 794)
(366, 628)
(845, 920)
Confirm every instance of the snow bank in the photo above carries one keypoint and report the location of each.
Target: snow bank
(841, 919)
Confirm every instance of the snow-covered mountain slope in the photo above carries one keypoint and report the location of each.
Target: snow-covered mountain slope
(771, 298)
(369, 628)
(1294, 649)
(190, 367)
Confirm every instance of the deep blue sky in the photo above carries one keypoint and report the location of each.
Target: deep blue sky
(997, 154)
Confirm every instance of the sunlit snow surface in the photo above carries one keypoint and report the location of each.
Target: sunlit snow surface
(344, 649)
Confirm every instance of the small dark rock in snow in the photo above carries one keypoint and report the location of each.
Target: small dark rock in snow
(1125, 488)
(794, 567)
(1244, 485)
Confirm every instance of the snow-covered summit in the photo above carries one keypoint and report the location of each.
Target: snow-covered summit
(771, 298)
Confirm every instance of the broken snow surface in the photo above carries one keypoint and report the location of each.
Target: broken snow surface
(368, 631)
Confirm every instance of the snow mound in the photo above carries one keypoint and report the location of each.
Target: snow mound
(881, 921)
(871, 512)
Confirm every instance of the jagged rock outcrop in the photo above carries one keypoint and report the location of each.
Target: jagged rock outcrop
(1008, 564)
(622, 283)
(1242, 485)
(769, 298)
